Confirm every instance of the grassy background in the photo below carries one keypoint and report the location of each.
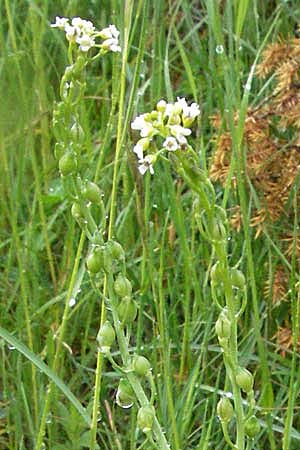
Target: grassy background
(172, 53)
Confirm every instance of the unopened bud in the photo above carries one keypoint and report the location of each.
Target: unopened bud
(122, 286)
(225, 409)
(145, 418)
(141, 365)
(76, 211)
(244, 379)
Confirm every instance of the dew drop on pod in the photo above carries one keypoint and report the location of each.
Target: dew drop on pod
(106, 336)
(92, 192)
(225, 409)
(141, 365)
(122, 286)
(145, 418)
(127, 310)
(94, 260)
(244, 379)
(67, 164)
(125, 396)
(252, 427)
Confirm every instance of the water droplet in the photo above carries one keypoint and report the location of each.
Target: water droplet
(72, 302)
(11, 347)
(155, 205)
(219, 49)
(88, 205)
(85, 222)
(229, 238)
(51, 190)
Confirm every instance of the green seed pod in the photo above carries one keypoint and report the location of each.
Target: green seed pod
(237, 278)
(76, 132)
(107, 259)
(218, 231)
(223, 325)
(127, 310)
(59, 150)
(217, 273)
(106, 336)
(116, 250)
(125, 396)
(122, 286)
(95, 261)
(92, 192)
(252, 427)
(141, 365)
(225, 409)
(145, 418)
(76, 211)
(67, 163)
(244, 380)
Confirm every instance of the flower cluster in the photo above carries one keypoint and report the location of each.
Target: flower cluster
(83, 33)
(169, 121)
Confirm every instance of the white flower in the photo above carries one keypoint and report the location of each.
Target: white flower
(60, 22)
(146, 164)
(180, 132)
(70, 32)
(170, 108)
(191, 112)
(85, 42)
(140, 146)
(109, 33)
(181, 104)
(146, 128)
(139, 122)
(83, 26)
(171, 144)
(111, 44)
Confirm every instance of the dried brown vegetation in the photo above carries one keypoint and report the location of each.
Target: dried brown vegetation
(272, 158)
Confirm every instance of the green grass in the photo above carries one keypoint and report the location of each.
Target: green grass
(171, 52)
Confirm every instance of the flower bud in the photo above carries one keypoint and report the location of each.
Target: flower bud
(125, 395)
(76, 132)
(67, 164)
(127, 310)
(92, 192)
(141, 365)
(252, 427)
(161, 106)
(116, 250)
(244, 379)
(122, 286)
(237, 278)
(223, 325)
(145, 418)
(225, 409)
(106, 336)
(95, 261)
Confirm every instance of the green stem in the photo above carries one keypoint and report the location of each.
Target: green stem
(60, 338)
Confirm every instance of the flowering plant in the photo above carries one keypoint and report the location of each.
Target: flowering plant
(169, 121)
(83, 33)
